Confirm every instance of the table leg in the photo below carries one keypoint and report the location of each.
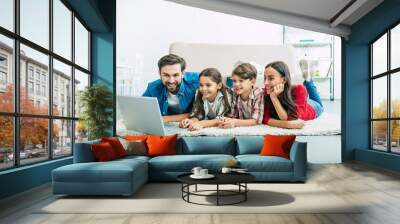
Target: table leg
(217, 194)
(245, 193)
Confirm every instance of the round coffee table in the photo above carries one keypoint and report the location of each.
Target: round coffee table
(238, 179)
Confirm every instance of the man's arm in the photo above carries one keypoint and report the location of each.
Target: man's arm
(176, 118)
(147, 92)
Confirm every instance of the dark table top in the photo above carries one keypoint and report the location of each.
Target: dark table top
(220, 178)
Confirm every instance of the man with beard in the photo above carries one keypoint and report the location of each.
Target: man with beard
(175, 90)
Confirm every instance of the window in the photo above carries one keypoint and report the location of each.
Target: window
(6, 73)
(3, 61)
(81, 45)
(30, 72)
(43, 77)
(35, 21)
(81, 81)
(30, 88)
(45, 131)
(37, 74)
(38, 89)
(7, 14)
(62, 137)
(44, 91)
(62, 29)
(385, 97)
(62, 75)
(3, 78)
(7, 142)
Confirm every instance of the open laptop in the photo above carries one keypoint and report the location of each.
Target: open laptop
(141, 114)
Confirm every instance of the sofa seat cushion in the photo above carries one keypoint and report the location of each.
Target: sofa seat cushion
(185, 163)
(113, 171)
(257, 163)
(133, 158)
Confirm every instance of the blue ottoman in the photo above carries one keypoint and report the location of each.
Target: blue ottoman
(118, 177)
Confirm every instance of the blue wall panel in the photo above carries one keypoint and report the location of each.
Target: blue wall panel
(102, 58)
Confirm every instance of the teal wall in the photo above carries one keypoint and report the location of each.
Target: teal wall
(356, 60)
(103, 63)
(24, 178)
(99, 16)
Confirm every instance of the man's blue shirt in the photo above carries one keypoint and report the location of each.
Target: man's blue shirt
(186, 93)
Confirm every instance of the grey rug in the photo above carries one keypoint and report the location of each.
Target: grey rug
(166, 198)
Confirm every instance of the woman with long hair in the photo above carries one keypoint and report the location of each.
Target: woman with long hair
(287, 105)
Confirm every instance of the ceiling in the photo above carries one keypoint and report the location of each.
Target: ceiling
(327, 16)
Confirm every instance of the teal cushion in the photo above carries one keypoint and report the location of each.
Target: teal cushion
(185, 163)
(83, 152)
(207, 145)
(249, 144)
(257, 163)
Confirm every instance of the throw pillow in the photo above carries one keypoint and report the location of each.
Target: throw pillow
(136, 137)
(103, 151)
(134, 147)
(277, 145)
(116, 145)
(161, 145)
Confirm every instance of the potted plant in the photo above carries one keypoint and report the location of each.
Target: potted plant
(96, 103)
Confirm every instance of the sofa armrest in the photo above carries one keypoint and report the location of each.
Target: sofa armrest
(83, 152)
(298, 155)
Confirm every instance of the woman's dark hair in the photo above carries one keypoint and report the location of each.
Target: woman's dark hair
(171, 59)
(286, 97)
(216, 77)
(245, 71)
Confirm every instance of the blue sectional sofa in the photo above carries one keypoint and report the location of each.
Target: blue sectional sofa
(125, 176)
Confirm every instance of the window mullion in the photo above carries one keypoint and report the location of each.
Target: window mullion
(73, 82)
(389, 95)
(50, 81)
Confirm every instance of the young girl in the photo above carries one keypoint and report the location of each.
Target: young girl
(212, 101)
(286, 106)
(247, 104)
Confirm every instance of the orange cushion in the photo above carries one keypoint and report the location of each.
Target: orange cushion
(277, 145)
(161, 145)
(136, 137)
(116, 145)
(103, 151)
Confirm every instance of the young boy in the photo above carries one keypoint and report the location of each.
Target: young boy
(248, 100)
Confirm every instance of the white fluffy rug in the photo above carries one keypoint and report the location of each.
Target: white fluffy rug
(326, 124)
(166, 198)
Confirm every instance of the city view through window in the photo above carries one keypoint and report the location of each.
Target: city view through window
(385, 96)
(38, 118)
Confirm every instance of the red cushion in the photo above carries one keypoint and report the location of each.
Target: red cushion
(277, 145)
(161, 145)
(103, 152)
(116, 145)
(136, 137)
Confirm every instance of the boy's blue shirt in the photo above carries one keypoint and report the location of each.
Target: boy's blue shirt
(186, 93)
